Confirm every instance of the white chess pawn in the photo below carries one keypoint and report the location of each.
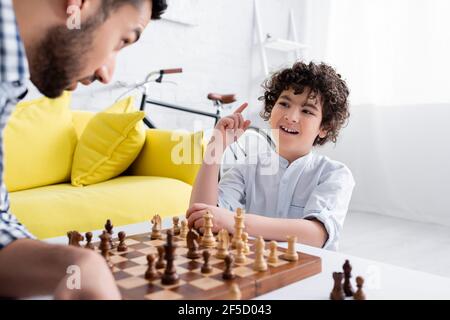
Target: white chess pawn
(184, 230)
(222, 244)
(208, 240)
(245, 241)
(273, 257)
(240, 256)
(260, 263)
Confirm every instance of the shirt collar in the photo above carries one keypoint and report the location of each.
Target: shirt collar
(284, 163)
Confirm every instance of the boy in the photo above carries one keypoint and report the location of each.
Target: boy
(308, 196)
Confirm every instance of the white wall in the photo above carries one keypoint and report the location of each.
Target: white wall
(400, 158)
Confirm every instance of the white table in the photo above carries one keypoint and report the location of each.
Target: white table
(382, 281)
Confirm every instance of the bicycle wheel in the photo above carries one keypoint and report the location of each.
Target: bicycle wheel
(251, 143)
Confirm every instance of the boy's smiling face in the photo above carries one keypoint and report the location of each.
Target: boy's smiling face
(296, 122)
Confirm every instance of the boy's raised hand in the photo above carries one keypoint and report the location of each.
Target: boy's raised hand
(229, 129)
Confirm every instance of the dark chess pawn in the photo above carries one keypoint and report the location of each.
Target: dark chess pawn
(105, 247)
(206, 268)
(348, 290)
(359, 294)
(192, 244)
(89, 244)
(337, 293)
(161, 263)
(74, 238)
(109, 228)
(151, 273)
(228, 273)
(170, 275)
(122, 247)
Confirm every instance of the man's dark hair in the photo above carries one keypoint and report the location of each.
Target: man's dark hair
(324, 82)
(158, 6)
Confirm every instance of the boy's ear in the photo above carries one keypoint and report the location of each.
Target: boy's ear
(323, 133)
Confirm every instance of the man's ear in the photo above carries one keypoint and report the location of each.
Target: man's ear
(72, 4)
(84, 6)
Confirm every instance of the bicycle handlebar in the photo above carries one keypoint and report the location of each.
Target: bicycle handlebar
(171, 71)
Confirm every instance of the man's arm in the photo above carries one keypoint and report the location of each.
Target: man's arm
(32, 268)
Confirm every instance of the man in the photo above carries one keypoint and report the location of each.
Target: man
(40, 40)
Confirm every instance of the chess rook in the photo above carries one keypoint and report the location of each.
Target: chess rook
(291, 254)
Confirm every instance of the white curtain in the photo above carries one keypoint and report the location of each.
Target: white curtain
(393, 52)
(395, 55)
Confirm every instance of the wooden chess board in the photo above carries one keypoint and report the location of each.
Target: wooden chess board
(130, 267)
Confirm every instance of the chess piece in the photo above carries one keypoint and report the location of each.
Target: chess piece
(184, 230)
(109, 228)
(151, 273)
(122, 247)
(337, 293)
(223, 244)
(176, 228)
(260, 263)
(238, 226)
(291, 254)
(348, 290)
(245, 240)
(206, 268)
(160, 263)
(156, 229)
(228, 273)
(105, 247)
(359, 294)
(192, 244)
(170, 275)
(74, 238)
(89, 244)
(273, 257)
(235, 292)
(240, 256)
(208, 240)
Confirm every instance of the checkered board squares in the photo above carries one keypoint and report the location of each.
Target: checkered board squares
(130, 267)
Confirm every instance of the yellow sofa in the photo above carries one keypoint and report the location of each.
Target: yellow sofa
(152, 185)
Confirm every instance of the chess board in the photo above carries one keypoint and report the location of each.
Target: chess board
(129, 269)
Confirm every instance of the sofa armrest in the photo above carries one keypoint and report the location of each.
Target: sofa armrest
(171, 154)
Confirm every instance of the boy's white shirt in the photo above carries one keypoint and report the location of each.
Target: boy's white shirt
(311, 187)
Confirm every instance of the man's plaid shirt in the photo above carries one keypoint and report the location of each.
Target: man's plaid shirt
(13, 78)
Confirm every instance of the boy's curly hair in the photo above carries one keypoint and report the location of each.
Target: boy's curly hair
(324, 82)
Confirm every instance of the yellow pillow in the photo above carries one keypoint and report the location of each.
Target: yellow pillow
(171, 154)
(82, 118)
(108, 146)
(39, 143)
(123, 106)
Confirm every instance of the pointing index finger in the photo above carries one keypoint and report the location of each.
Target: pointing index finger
(241, 108)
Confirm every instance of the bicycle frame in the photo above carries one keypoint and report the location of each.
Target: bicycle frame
(216, 116)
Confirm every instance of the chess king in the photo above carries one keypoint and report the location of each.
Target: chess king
(36, 35)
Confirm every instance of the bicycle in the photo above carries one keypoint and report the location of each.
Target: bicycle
(236, 152)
